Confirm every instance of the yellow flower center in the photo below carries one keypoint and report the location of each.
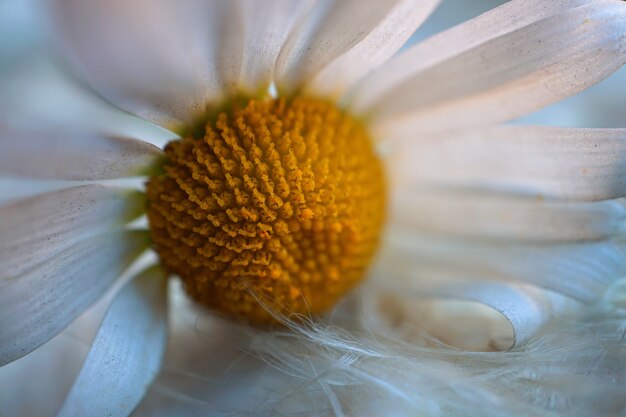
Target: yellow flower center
(277, 206)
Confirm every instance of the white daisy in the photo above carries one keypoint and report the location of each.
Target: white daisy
(304, 144)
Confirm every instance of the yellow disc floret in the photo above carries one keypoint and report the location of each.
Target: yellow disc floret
(277, 206)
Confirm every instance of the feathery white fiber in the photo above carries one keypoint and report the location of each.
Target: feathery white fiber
(573, 369)
(349, 366)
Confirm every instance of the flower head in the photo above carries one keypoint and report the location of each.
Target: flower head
(280, 199)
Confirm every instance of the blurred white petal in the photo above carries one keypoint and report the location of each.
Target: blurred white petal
(15, 189)
(126, 353)
(518, 312)
(34, 307)
(38, 89)
(528, 309)
(582, 271)
(507, 76)
(55, 367)
(505, 217)
(160, 60)
(206, 370)
(461, 38)
(600, 106)
(35, 229)
(430, 320)
(267, 25)
(72, 155)
(57, 364)
(577, 164)
(339, 41)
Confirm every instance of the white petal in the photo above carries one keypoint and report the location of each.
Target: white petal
(505, 217)
(600, 106)
(44, 92)
(160, 60)
(14, 189)
(73, 155)
(452, 312)
(582, 271)
(526, 308)
(507, 76)
(578, 164)
(267, 25)
(56, 365)
(36, 306)
(229, 381)
(342, 40)
(35, 229)
(499, 21)
(126, 354)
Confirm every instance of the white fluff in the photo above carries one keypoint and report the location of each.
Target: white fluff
(348, 366)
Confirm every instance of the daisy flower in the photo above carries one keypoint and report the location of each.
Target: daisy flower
(309, 152)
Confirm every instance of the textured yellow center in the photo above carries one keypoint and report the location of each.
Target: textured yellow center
(279, 201)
